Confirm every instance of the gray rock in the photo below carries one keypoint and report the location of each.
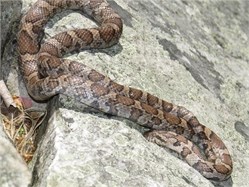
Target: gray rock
(88, 150)
(13, 170)
(10, 13)
(192, 53)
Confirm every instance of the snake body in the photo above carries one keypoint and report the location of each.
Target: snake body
(46, 74)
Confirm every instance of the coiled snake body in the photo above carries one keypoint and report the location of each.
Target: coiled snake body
(46, 74)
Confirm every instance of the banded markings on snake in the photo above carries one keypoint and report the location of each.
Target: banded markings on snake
(47, 74)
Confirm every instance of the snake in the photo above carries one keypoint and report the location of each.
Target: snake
(46, 73)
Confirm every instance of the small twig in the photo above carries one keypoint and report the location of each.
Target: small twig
(5, 94)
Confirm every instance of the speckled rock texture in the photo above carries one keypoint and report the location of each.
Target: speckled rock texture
(192, 53)
(13, 170)
(10, 12)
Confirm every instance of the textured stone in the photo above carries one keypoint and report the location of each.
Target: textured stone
(90, 150)
(13, 170)
(10, 13)
(192, 53)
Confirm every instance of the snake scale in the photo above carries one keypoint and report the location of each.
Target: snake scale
(46, 74)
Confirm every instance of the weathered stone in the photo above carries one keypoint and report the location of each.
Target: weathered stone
(13, 170)
(10, 13)
(192, 53)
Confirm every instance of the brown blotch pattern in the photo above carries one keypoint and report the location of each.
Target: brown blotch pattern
(149, 109)
(95, 76)
(107, 34)
(99, 90)
(115, 21)
(216, 141)
(115, 86)
(167, 107)
(227, 159)
(182, 139)
(50, 48)
(135, 94)
(177, 143)
(84, 35)
(125, 100)
(33, 80)
(201, 166)
(151, 99)
(172, 119)
(41, 13)
(221, 168)
(161, 139)
(26, 43)
(75, 67)
(53, 3)
(29, 68)
(64, 38)
(194, 122)
(49, 62)
(185, 152)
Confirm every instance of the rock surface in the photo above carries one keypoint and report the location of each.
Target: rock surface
(13, 170)
(195, 54)
(10, 12)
